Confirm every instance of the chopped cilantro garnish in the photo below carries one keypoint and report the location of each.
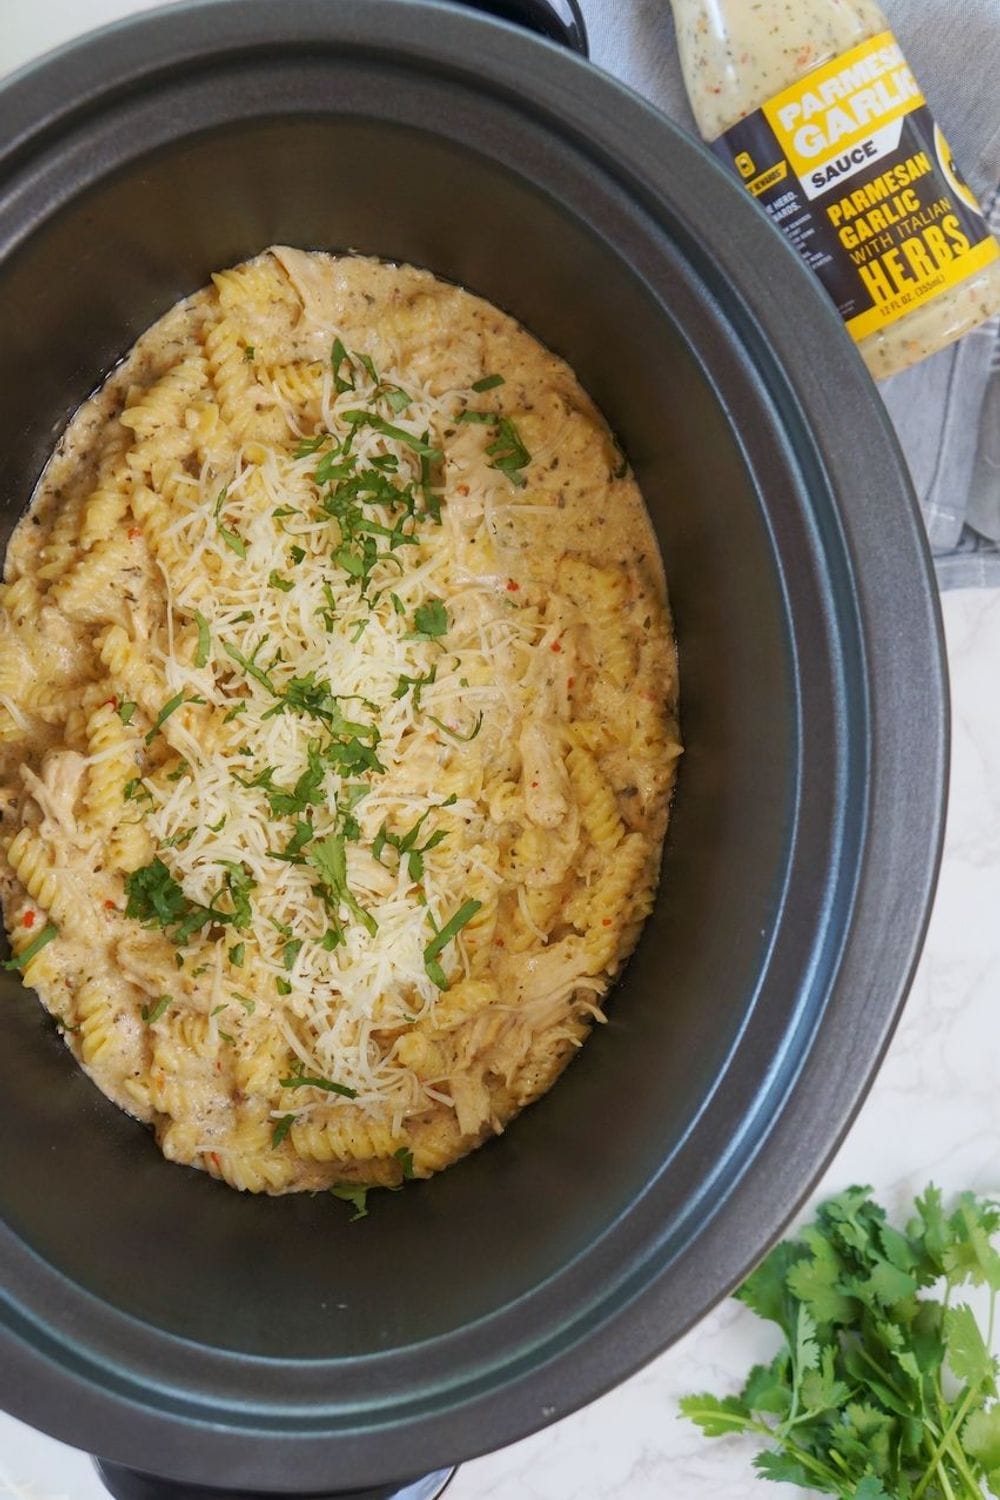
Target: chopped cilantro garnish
(170, 707)
(156, 900)
(292, 850)
(406, 843)
(179, 839)
(358, 1196)
(276, 581)
(508, 452)
(249, 665)
(135, 790)
(405, 1157)
(440, 941)
(217, 1011)
(125, 710)
(234, 542)
(297, 554)
(328, 858)
(151, 1013)
(281, 1129)
(248, 353)
(430, 620)
(398, 434)
(358, 631)
(282, 986)
(232, 713)
(248, 1005)
(396, 398)
(398, 604)
(302, 1081)
(488, 383)
(226, 1037)
(333, 466)
(290, 953)
(462, 738)
(416, 683)
(331, 939)
(338, 357)
(471, 415)
(238, 884)
(236, 955)
(432, 500)
(366, 361)
(22, 959)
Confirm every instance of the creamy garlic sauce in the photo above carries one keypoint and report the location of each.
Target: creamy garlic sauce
(738, 55)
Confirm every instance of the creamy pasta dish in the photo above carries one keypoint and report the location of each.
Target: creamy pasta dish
(337, 701)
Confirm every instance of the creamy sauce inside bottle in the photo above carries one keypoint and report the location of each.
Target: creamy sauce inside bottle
(739, 56)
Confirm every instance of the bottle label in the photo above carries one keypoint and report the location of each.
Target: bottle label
(850, 165)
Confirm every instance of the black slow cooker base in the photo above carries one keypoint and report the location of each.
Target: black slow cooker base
(129, 1484)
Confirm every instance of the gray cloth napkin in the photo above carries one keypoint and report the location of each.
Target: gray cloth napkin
(946, 410)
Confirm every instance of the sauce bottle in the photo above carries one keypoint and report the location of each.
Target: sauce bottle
(811, 103)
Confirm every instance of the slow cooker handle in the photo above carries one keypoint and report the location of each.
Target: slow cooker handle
(129, 1484)
(559, 20)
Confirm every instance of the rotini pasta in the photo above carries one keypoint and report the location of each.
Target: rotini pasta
(340, 705)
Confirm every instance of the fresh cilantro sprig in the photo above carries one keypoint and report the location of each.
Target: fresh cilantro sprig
(879, 1392)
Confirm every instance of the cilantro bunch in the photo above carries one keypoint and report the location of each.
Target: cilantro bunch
(882, 1390)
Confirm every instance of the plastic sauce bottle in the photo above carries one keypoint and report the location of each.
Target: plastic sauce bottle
(812, 104)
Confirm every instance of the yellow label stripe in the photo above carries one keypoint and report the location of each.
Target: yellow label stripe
(841, 105)
(967, 265)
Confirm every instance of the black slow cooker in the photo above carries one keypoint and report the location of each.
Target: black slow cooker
(271, 1345)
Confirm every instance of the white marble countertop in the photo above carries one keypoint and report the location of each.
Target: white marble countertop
(931, 1114)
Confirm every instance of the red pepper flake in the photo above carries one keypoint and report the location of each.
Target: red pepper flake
(28, 919)
(534, 783)
(556, 647)
(110, 905)
(134, 533)
(463, 489)
(110, 703)
(213, 1158)
(605, 921)
(513, 585)
(570, 681)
